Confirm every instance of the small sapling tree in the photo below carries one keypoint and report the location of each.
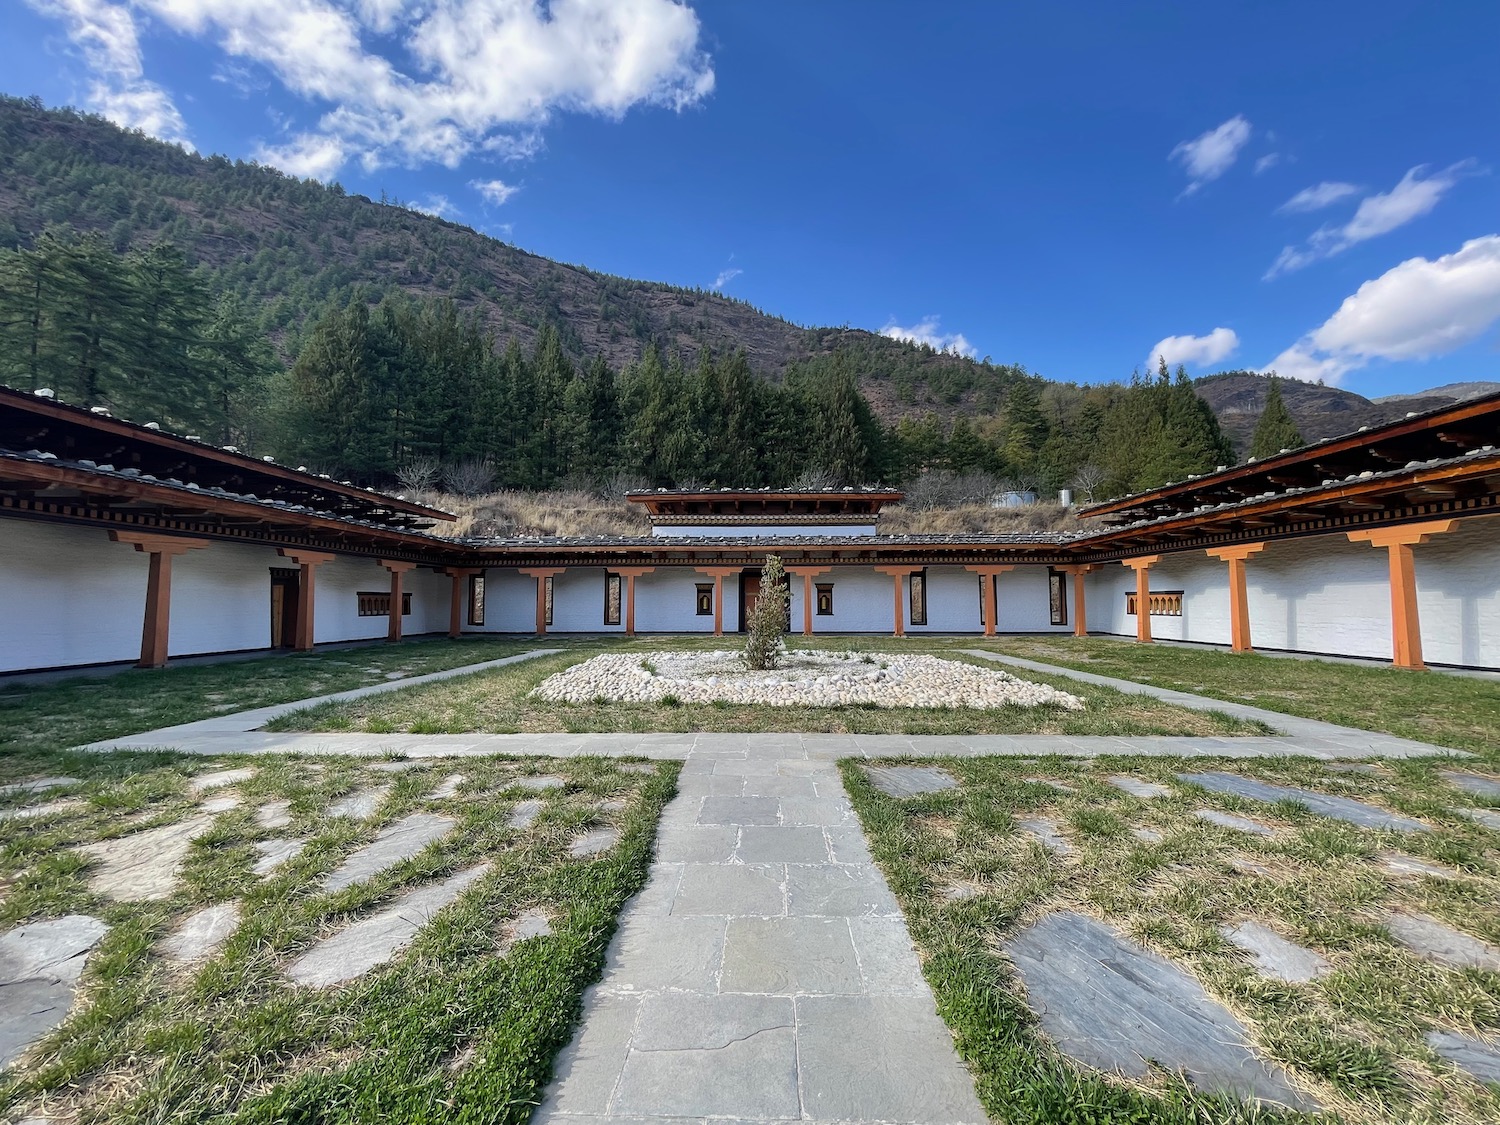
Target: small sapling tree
(767, 624)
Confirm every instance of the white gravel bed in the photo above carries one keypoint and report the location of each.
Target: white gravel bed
(807, 677)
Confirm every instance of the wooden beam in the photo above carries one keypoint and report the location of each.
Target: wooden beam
(631, 573)
(897, 573)
(308, 561)
(808, 573)
(718, 574)
(1406, 625)
(1239, 602)
(1142, 567)
(455, 596)
(541, 574)
(156, 622)
(397, 571)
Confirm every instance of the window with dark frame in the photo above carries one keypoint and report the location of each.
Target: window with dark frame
(825, 599)
(704, 599)
(1057, 596)
(918, 591)
(548, 580)
(611, 598)
(476, 599)
(372, 604)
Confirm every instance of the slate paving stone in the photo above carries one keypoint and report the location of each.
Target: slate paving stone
(277, 814)
(909, 781)
(1351, 767)
(39, 785)
(1136, 787)
(1112, 1004)
(524, 813)
(1274, 955)
(650, 954)
(360, 805)
(822, 811)
(144, 865)
(36, 812)
(539, 784)
(220, 804)
(273, 853)
(1247, 866)
(1403, 864)
(589, 1068)
(888, 962)
(740, 811)
(1045, 831)
(1479, 1058)
(397, 841)
(1490, 818)
(531, 924)
(848, 844)
(201, 934)
(1147, 835)
(219, 778)
(593, 842)
(396, 767)
(790, 956)
(1439, 942)
(899, 1067)
(1339, 808)
(1478, 784)
(738, 889)
(838, 891)
(698, 844)
(802, 844)
(448, 788)
(373, 941)
(1229, 820)
(40, 964)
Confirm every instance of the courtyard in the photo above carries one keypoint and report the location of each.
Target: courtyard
(1193, 898)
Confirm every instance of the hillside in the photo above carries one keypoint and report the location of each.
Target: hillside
(285, 246)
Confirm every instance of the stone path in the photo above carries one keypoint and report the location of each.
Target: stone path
(40, 964)
(1339, 808)
(765, 973)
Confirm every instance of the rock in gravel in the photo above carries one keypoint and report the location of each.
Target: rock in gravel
(200, 936)
(397, 841)
(40, 964)
(1274, 955)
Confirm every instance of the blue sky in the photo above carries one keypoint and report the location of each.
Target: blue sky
(1068, 186)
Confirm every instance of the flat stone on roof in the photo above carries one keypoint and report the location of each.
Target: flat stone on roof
(1339, 808)
(909, 781)
(1112, 1004)
(397, 841)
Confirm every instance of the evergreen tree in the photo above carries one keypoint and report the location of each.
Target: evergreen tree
(1276, 430)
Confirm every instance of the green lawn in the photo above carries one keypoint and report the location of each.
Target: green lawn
(498, 701)
(36, 720)
(1462, 712)
(461, 1027)
(1353, 1038)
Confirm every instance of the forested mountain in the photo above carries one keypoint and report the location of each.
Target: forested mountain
(361, 338)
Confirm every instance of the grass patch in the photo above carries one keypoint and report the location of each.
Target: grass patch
(1460, 712)
(1353, 1038)
(461, 1027)
(498, 701)
(42, 718)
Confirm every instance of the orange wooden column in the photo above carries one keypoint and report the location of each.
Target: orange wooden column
(309, 561)
(988, 576)
(631, 573)
(455, 596)
(1142, 567)
(397, 569)
(718, 574)
(1406, 625)
(1080, 606)
(897, 573)
(808, 573)
(541, 574)
(1239, 600)
(156, 624)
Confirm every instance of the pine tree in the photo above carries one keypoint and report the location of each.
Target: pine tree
(1276, 430)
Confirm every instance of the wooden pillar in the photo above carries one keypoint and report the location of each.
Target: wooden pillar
(631, 573)
(455, 597)
(1406, 625)
(1080, 606)
(1142, 567)
(808, 573)
(156, 622)
(1239, 600)
(309, 561)
(541, 574)
(988, 593)
(897, 573)
(397, 569)
(718, 574)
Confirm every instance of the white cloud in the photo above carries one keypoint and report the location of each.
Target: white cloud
(1416, 310)
(1197, 350)
(438, 206)
(1379, 214)
(1317, 197)
(494, 192)
(1267, 162)
(929, 332)
(1207, 157)
(105, 34)
(473, 74)
(726, 275)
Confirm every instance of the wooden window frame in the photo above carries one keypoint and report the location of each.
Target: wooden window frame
(476, 599)
(548, 588)
(916, 603)
(614, 597)
(703, 599)
(1057, 596)
(377, 603)
(823, 599)
(1161, 603)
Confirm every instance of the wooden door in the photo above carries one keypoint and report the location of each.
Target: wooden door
(285, 590)
(749, 595)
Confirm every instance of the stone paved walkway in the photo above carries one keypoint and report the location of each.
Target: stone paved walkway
(765, 973)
